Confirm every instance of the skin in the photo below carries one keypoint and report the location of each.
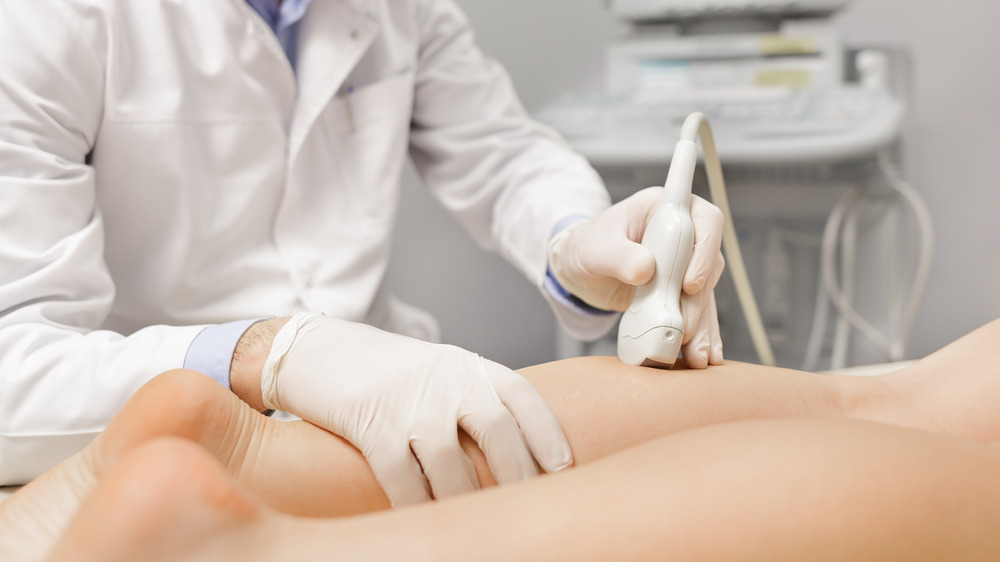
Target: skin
(295, 467)
(778, 489)
(605, 408)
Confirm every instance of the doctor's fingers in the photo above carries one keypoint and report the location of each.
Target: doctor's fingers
(448, 470)
(715, 347)
(695, 308)
(499, 437)
(708, 221)
(539, 427)
(704, 347)
(398, 472)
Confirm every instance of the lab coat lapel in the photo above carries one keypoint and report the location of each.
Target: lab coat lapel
(334, 36)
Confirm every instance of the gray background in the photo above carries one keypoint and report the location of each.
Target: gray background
(555, 48)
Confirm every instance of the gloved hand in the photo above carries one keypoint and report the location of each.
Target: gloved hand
(400, 401)
(602, 261)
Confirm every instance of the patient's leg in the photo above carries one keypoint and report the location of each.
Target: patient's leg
(955, 390)
(753, 490)
(295, 467)
(604, 406)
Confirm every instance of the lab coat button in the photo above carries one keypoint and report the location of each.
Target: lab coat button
(354, 34)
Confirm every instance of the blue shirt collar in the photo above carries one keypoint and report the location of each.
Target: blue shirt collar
(284, 22)
(289, 14)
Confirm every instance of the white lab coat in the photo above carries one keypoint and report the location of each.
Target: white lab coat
(161, 169)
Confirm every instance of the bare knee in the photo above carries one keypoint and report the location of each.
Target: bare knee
(180, 398)
(179, 403)
(183, 384)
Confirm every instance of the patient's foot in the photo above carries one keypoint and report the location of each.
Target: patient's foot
(168, 500)
(177, 403)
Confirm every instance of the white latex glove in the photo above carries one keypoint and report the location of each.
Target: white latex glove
(400, 401)
(602, 261)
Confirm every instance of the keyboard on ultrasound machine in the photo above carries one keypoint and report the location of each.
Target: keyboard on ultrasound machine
(753, 113)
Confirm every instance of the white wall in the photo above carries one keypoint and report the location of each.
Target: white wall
(555, 47)
(551, 48)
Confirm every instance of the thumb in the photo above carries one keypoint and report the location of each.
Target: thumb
(707, 221)
(626, 261)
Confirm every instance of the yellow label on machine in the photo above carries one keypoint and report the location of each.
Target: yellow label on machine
(786, 45)
(783, 78)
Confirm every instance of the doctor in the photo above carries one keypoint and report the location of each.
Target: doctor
(181, 182)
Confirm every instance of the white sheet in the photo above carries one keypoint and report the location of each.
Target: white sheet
(871, 370)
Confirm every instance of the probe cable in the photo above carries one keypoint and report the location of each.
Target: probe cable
(894, 349)
(696, 125)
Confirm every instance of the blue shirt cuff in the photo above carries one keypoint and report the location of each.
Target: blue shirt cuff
(568, 299)
(557, 291)
(211, 351)
(566, 223)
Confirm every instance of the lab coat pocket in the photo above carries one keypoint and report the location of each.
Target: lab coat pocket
(368, 130)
